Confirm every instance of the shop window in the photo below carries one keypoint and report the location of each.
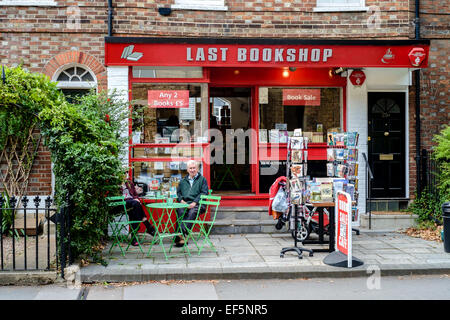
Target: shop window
(74, 81)
(200, 4)
(166, 132)
(340, 5)
(159, 123)
(28, 3)
(314, 110)
(168, 72)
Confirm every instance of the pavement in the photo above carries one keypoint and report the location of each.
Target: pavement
(250, 256)
(257, 256)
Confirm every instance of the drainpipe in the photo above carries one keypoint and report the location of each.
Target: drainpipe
(418, 129)
(110, 17)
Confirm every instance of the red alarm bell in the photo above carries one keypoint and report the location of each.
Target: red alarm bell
(357, 77)
(417, 56)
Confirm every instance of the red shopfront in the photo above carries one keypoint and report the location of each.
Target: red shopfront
(235, 102)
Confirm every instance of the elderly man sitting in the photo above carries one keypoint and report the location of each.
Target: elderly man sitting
(189, 191)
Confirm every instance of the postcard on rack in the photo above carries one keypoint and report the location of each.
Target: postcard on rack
(297, 132)
(297, 170)
(352, 154)
(296, 143)
(350, 189)
(330, 169)
(297, 156)
(352, 139)
(330, 154)
(339, 154)
(339, 139)
(295, 185)
(305, 155)
(326, 191)
(330, 139)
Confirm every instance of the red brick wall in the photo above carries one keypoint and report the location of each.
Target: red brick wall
(37, 36)
(434, 101)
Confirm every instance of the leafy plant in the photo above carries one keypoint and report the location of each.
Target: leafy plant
(427, 207)
(442, 156)
(86, 140)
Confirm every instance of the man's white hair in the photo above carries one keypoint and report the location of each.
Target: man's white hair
(190, 162)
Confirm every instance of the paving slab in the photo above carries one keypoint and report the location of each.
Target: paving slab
(253, 256)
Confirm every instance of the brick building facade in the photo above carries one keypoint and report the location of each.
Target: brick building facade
(46, 36)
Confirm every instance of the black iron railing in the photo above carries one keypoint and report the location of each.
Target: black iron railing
(26, 241)
(429, 175)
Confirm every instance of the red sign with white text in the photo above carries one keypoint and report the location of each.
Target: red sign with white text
(301, 97)
(259, 55)
(168, 98)
(343, 223)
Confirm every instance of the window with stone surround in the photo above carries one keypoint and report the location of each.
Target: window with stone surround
(28, 3)
(200, 5)
(340, 5)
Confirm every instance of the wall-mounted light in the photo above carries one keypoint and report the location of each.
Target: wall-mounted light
(236, 72)
(292, 69)
(285, 72)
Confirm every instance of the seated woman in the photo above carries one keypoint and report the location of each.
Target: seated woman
(131, 193)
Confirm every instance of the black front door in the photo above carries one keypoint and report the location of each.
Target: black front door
(387, 143)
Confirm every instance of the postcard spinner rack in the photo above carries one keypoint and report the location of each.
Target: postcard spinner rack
(293, 208)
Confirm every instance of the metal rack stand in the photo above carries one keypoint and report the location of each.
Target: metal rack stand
(295, 248)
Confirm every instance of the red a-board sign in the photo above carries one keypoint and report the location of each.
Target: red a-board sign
(168, 98)
(344, 225)
(301, 97)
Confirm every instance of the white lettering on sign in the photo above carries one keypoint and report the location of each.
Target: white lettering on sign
(260, 54)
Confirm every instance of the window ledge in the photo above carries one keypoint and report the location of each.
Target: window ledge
(340, 9)
(198, 7)
(32, 3)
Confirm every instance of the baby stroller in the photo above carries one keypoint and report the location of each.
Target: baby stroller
(308, 221)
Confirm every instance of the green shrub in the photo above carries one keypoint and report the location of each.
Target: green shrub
(442, 155)
(84, 141)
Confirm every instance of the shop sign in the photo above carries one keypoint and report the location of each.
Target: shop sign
(357, 77)
(259, 55)
(344, 225)
(301, 97)
(417, 56)
(168, 98)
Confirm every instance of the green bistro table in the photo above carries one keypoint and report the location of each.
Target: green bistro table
(165, 227)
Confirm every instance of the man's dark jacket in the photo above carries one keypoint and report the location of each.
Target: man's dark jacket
(192, 194)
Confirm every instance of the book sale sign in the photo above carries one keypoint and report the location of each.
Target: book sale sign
(344, 225)
(168, 98)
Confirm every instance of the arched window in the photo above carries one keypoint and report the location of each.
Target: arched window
(75, 80)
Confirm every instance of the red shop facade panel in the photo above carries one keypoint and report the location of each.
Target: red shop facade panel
(256, 63)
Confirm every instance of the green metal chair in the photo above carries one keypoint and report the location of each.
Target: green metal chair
(201, 238)
(123, 224)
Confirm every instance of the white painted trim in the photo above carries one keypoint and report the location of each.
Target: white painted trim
(117, 77)
(74, 84)
(213, 5)
(198, 7)
(340, 9)
(31, 3)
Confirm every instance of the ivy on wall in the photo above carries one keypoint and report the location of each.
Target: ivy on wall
(84, 141)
